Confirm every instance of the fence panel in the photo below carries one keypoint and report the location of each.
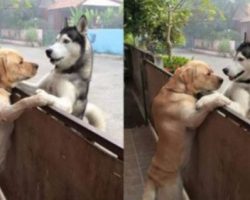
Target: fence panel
(137, 57)
(51, 158)
(155, 78)
(220, 164)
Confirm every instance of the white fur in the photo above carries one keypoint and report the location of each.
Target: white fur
(56, 88)
(68, 53)
(95, 116)
(2, 197)
(239, 93)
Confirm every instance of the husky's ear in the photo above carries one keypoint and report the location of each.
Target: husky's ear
(82, 24)
(66, 23)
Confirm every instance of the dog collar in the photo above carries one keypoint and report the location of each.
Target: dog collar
(246, 81)
(74, 68)
(238, 75)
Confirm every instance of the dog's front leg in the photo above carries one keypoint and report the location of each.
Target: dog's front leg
(194, 116)
(12, 112)
(240, 101)
(173, 190)
(149, 190)
(64, 103)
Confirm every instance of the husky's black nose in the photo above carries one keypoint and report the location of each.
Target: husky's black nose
(48, 52)
(225, 70)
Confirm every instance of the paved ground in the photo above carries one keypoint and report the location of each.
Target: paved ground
(216, 62)
(106, 88)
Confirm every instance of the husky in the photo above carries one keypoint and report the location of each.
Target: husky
(68, 84)
(239, 75)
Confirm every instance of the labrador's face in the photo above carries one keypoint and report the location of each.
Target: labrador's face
(13, 68)
(199, 77)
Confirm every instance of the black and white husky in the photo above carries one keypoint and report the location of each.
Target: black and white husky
(68, 84)
(239, 74)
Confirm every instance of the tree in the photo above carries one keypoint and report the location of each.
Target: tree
(18, 13)
(4, 4)
(220, 26)
(161, 20)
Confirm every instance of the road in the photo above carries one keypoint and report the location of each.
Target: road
(106, 87)
(216, 62)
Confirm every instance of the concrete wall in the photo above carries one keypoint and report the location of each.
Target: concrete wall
(107, 40)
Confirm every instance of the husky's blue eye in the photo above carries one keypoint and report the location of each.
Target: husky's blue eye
(65, 41)
(240, 59)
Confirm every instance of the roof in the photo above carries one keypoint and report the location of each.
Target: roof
(105, 3)
(59, 4)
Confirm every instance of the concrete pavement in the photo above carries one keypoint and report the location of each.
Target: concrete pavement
(106, 87)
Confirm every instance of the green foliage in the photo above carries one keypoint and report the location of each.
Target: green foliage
(217, 27)
(150, 20)
(224, 47)
(31, 35)
(9, 4)
(229, 34)
(107, 18)
(49, 37)
(129, 39)
(174, 62)
(18, 14)
(75, 15)
(160, 48)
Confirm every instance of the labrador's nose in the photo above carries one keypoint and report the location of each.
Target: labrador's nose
(220, 80)
(48, 52)
(35, 65)
(225, 70)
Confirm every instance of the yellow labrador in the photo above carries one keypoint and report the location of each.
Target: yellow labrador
(175, 110)
(13, 69)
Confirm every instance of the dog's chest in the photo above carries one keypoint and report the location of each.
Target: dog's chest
(65, 82)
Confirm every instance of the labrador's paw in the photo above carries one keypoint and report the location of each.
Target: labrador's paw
(43, 97)
(212, 101)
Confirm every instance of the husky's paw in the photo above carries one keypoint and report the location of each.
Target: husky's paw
(43, 97)
(236, 107)
(212, 101)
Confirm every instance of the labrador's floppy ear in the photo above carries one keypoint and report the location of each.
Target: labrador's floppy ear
(82, 24)
(3, 73)
(186, 74)
(2, 66)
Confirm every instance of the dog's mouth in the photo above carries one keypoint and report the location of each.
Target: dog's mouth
(55, 60)
(231, 78)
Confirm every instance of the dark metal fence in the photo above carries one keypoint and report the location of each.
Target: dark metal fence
(220, 162)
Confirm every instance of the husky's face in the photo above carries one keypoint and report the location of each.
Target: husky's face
(69, 46)
(242, 59)
(66, 50)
